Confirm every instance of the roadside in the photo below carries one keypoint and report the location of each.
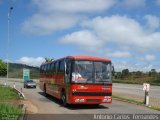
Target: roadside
(10, 103)
(37, 103)
(135, 94)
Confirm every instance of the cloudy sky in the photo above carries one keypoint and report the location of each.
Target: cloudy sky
(125, 31)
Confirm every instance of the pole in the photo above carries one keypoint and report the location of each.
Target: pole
(146, 96)
(147, 99)
(8, 41)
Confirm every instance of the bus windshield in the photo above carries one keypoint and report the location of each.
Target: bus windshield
(91, 72)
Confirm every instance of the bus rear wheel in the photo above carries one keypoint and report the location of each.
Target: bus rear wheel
(64, 100)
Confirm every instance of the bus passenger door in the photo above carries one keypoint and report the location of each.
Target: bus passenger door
(67, 77)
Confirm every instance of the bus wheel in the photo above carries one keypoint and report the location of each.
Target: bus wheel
(45, 93)
(63, 98)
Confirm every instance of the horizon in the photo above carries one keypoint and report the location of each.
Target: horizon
(126, 32)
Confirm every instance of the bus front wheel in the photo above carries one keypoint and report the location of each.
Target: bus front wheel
(63, 98)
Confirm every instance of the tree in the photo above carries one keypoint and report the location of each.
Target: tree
(3, 68)
(125, 72)
(152, 72)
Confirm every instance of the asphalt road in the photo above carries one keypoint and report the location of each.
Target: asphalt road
(49, 106)
(136, 89)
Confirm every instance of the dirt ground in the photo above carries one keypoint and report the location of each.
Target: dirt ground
(30, 108)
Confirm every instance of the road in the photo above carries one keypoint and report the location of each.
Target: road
(39, 104)
(136, 89)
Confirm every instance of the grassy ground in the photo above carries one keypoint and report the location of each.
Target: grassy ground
(9, 112)
(7, 93)
(9, 104)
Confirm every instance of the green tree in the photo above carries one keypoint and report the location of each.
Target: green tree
(153, 72)
(3, 68)
(125, 72)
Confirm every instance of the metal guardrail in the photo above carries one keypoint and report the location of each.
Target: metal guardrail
(18, 80)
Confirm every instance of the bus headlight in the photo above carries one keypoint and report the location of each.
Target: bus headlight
(79, 100)
(76, 100)
(106, 100)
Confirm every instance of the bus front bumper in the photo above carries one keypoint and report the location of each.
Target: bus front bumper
(90, 99)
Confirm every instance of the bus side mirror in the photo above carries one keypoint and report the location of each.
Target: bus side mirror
(113, 70)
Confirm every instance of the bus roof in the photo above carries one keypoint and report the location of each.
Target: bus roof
(82, 57)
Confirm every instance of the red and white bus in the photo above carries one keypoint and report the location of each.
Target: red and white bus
(78, 79)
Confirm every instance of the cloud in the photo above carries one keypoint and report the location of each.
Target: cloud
(85, 39)
(31, 61)
(153, 22)
(118, 30)
(120, 54)
(73, 6)
(56, 15)
(119, 66)
(46, 24)
(148, 58)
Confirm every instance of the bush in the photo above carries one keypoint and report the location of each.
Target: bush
(3, 68)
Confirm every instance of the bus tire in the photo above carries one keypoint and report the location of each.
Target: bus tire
(63, 98)
(45, 93)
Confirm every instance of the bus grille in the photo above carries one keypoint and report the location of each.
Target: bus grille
(91, 94)
(93, 100)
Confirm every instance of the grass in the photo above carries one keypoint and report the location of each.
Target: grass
(9, 112)
(128, 100)
(7, 93)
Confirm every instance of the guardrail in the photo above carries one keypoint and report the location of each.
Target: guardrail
(18, 79)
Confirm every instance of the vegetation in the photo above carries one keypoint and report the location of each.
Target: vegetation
(137, 77)
(3, 68)
(127, 100)
(8, 111)
(7, 93)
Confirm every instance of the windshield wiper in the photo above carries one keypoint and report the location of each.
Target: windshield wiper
(103, 81)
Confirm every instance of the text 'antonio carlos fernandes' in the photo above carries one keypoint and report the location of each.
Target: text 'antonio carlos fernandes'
(126, 116)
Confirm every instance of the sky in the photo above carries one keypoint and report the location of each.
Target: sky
(125, 31)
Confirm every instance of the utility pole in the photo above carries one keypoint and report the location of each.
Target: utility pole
(8, 41)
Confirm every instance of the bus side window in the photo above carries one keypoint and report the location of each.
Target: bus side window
(41, 69)
(49, 68)
(45, 68)
(61, 67)
(56, 67)
(68, 70)
(52, 68)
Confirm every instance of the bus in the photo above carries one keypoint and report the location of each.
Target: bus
(78, 80)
